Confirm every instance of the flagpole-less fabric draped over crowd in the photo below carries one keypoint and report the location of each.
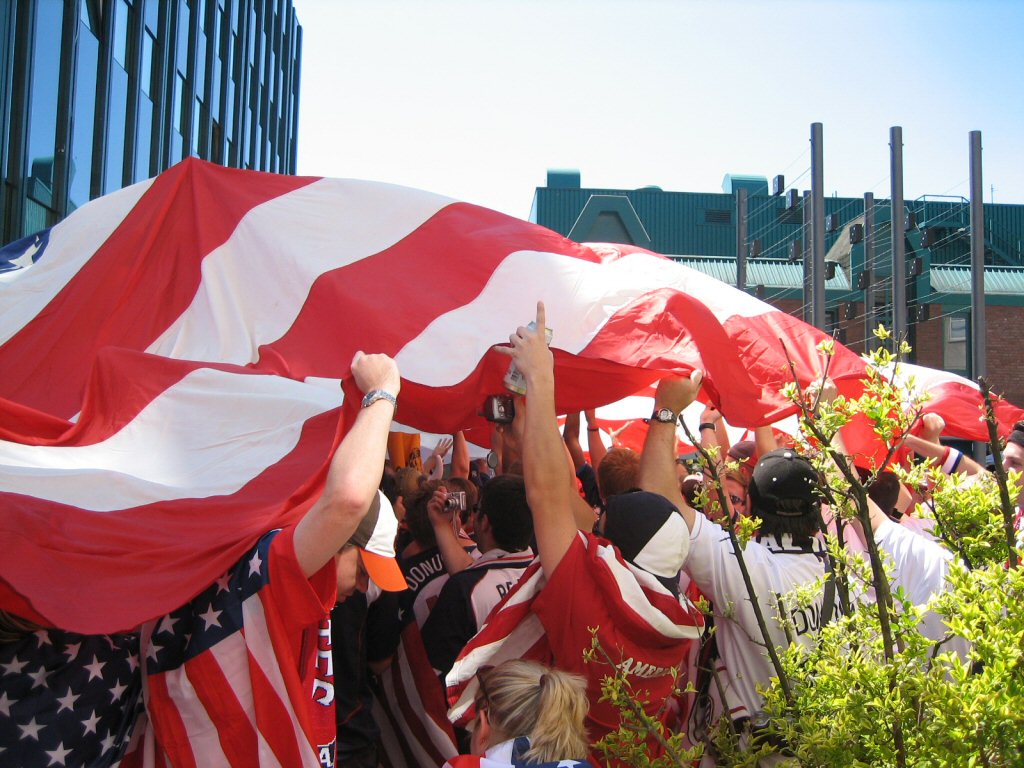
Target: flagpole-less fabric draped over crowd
(172, 352)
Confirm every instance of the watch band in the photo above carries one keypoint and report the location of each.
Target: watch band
(664, 416)
(705, 425)
(379, 394)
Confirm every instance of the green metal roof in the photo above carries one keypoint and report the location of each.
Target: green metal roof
(771, 273)
(704, 223)
(1001, 281)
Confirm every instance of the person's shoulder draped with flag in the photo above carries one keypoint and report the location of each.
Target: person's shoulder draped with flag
(630, 596)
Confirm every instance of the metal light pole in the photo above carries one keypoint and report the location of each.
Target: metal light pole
(741, 239)
(869, 270)
(817, 230)
(899, 266)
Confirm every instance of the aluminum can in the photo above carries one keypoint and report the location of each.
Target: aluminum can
(514, 380)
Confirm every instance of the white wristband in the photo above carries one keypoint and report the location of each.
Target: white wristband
(952, 461)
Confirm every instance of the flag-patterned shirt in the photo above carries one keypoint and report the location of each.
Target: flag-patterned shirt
(648, 633)
(644, 628)
(229, 675)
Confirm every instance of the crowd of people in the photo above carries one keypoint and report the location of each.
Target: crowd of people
(404, 567)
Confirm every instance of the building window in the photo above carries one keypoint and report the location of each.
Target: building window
(151, 9)
(197, 114)
(954, 346)
(179, 97)
(118, 110)
(144, 140)
(146, 73)
(121, 33)
(181, 50)
(42, 130)
(80, 181)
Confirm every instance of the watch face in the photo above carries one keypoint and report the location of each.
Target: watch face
(492, 459)
(664, 415)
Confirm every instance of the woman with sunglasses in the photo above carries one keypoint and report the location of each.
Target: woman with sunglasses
(527, 714)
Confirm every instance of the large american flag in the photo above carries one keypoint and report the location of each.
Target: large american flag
(171, 354)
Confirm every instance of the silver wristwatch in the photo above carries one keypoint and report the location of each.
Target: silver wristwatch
(379, 394)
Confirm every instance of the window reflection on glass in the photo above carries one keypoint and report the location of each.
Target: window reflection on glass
(121, 32)
(176, 147)
(200, 71)
(229, 108)
(113, 176)
(184, 15)
(42, 128)
(146, 70)
(143, 140)
(179, 96)
(197, 112)
(214, 99)
(84, 110)
(252, 32)
(152, 16)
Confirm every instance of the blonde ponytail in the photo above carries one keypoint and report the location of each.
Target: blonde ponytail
(546, 705)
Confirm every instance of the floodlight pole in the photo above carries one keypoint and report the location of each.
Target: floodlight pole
(741, 239)
(808, 294)
(817, 230)
(899, 266)
(977, 260)
(978, 367)
(869, 271)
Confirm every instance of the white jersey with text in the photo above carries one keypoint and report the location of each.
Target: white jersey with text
(465, 602)
(776, 566)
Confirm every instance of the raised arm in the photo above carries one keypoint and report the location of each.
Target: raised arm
(658, 460)
(355, 468)
(544, 466)
(460, 456)
(713, 433)
(443, 522)
(764, 440)
(948, 459)
(434, 466)
(595, 444)
(571, 437)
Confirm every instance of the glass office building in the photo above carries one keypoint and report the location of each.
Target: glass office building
(99, 94)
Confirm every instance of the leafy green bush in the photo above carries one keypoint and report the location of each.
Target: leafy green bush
(872, 690)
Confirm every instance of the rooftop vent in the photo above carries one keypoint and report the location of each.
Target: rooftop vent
(563, 178)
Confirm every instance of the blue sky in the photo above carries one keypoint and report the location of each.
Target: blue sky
(478, 99)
